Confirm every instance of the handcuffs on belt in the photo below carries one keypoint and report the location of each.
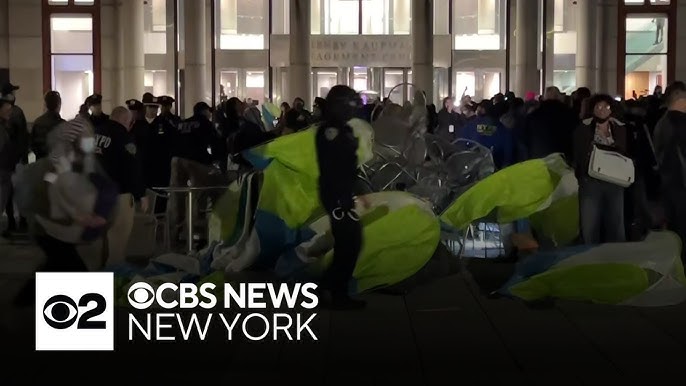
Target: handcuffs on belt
(338, 213)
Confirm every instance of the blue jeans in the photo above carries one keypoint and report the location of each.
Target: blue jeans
(601, 211)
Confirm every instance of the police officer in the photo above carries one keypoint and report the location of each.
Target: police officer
(116, 152)
(191, 160)
(94, 103)
(222, 126)
(137, 109)
(195, 135)
(166, 103)
(142, 130)
(298, 118)
(159, 147)
(17, 129)
(337, 156)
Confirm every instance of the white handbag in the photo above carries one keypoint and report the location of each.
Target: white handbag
(612, 167)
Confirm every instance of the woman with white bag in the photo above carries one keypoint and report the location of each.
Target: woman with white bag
(603, 172)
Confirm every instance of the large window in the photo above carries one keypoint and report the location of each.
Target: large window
(243, 84)
(71, 51)
(71, 59)
(441, 17)
(386, 17)
(242, 24)
(562, 15)
(159, 47)
(478, 84)
(646, 46)
(335, 17)
(369, 17)
(646, 54)
(650, 2)
(281, 22)
(155, 16)
(465, 84)
(479, 24)
(66, 2)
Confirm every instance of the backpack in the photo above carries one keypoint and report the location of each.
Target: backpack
(29, 193)
(35, 199)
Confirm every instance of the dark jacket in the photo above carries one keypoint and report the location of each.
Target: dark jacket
(298, 120)
(39, 133)
(638, 143)
(116, 152)
(445, 120)
(192, 139)
(337, 158)
(16, 135)
(160, 140)
(670, 143)
(98, 120)
(5, 147)
(549, 129)
(583, 143)
(489, 132)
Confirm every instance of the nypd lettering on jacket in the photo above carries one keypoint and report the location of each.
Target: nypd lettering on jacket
(187, 127)
(102, 142)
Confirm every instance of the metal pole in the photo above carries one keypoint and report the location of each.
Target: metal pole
(189, 220)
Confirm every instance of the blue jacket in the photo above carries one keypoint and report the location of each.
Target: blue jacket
(492, 134)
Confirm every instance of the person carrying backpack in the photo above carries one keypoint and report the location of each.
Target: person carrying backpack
(67, 200)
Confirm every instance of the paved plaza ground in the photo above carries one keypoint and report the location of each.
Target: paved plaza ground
(443, 331)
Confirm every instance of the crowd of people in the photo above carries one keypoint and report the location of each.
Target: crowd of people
(648, 130)
(142, 146)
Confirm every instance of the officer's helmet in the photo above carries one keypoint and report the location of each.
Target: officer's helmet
(341, 103)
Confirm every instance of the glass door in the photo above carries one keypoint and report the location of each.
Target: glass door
(359, 78)
(391, 78)
(323, 79)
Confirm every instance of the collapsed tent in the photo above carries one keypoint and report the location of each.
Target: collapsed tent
(646, 273)
(542, 190)
(270, 113)
(265, 217)
(392, 251)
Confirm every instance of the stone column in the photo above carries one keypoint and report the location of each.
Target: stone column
(25, 47)
(299, 71)
(195, 57)
(4, 35)
(133, 50)
(549, 41)
(526, 46)
(422, 47)
(585, 44)
(680, 71)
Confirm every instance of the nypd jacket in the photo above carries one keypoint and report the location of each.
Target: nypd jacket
(116, 152)
(192, 139)
(98, 120)
(489, 132)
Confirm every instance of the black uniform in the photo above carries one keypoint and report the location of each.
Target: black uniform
(337, 157)
(116, 152)
(223, 128)
(102, 118)
(193, 137)
(159, 149)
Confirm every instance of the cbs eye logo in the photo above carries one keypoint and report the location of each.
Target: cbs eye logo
(141, 295)
(61, 312)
